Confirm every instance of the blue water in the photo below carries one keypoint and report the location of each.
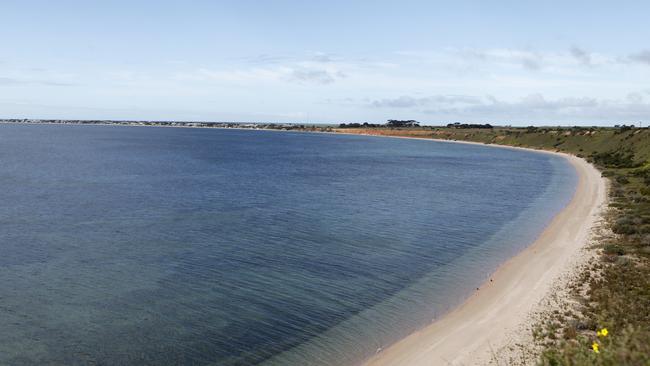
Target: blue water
(165, 246)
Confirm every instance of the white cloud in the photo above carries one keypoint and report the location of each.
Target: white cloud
(479, 84)
(581, 55)
(405, 101)
(319, 76)
(239, 75)
(642, 57)
(320, 69)
(11, 81)
(537, 108)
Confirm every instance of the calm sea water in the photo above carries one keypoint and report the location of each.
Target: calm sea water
(165, 246)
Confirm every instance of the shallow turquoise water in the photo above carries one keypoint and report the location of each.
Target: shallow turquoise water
(220, 247)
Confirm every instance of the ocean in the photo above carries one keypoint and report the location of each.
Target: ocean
(167, 246)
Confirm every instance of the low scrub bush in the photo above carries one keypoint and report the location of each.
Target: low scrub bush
(614, 249)
(616, 159)
(624, 226)
(621, 179)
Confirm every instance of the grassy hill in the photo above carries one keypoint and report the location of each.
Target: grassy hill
(582, 141)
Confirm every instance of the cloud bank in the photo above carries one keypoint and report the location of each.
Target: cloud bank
(532, 108)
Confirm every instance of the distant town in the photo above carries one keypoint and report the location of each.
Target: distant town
(241, 125)
(391, 123)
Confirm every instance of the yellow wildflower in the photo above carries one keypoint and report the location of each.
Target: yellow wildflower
(602, 333)
(594, 346)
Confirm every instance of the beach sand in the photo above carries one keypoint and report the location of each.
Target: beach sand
(499, 314)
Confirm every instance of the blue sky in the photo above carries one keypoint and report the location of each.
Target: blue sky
(505, 62)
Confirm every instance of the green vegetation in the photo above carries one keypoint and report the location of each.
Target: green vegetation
(614, 292)
(607, 147)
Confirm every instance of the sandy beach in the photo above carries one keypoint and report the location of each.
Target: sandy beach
(497, 315)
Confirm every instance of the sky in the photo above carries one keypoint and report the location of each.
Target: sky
(502, 62)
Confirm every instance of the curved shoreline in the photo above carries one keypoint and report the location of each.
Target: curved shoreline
(492, 316)
(488, 319)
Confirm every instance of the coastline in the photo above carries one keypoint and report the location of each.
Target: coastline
(492, 322)
(491, 319)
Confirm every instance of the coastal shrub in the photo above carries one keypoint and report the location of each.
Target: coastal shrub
(626, 346)
(616, 159)
(645, 240)
(636, 197)
(620, 284)
(570, 332)
(622, 179)
(617, 298)
(624, 225)
(642, 171)
(617, 192)
(614, 249)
